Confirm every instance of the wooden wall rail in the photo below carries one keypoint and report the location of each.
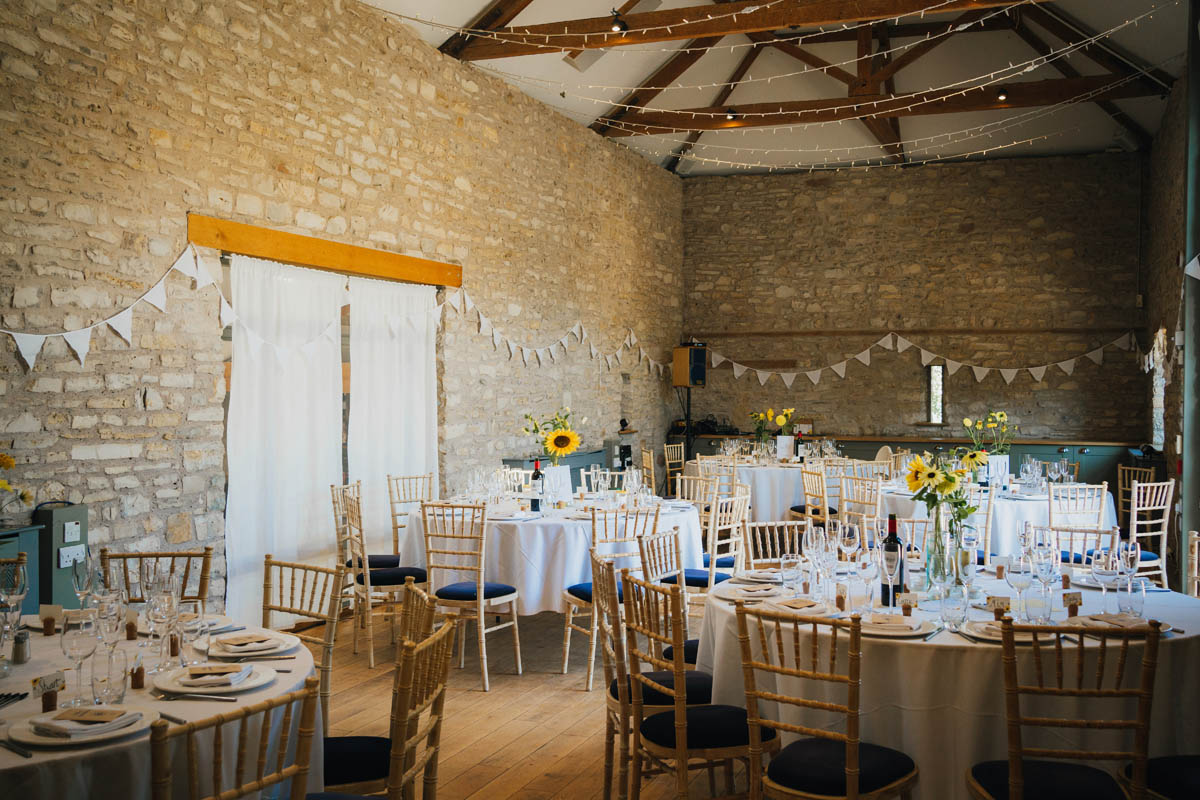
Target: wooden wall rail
(881, 332)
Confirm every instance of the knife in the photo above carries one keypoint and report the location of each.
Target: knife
(16, 748)
(934, 633)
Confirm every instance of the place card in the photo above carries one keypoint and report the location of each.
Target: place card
(1001, 563)
(202, 670)
(131, 625)
(907, 601)
(245, 638)
(47, 688)
(999, 606)
(90, 716)
(1072, 600)
(842, 596)
(51, 616)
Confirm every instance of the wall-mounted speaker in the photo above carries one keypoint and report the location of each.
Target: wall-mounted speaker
(688, 366)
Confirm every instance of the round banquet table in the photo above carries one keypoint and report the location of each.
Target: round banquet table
(545, 555)
(1009, 515)
(120, 769)
(942, 701)
(774, 488)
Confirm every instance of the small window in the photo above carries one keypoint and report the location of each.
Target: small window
(935, 411)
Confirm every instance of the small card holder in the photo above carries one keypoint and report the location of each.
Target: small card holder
(999, 606)
(1072, 600)
(908, 601)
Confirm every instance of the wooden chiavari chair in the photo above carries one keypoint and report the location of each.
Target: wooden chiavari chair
(455, 542)
(1149, 521)
(884, 453)
(312, 593)
(862, 501)
(1076, 545)
(913, 531)
(767, 542)
(516, 478)
(723, 472)
(184, 563)
(671, 739)
(1125, 478)
(1193, 571)
(250, 775)
(900, 461)
(405, 491)
(874, 469)
(1054, 676)
(698, 490)
(614, 537)
(649, 474)
(616, 478)
(723, 540)
(661, 563)
(828, 763)
(984, 499)
(673, 458)
(1077, 506)
(816, 507)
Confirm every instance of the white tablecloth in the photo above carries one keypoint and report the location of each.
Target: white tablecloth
(543, 556)
(1008, 516)
(942, 701)
(773, 489)
(121, 770)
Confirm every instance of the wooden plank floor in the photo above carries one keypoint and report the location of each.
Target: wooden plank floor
(533, 736)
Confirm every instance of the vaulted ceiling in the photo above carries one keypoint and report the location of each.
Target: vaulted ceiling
(728, 87)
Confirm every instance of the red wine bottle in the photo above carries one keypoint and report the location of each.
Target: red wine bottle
(537, 484)
(893, 552)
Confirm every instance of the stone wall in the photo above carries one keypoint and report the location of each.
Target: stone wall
(323, 117)
(970, 248)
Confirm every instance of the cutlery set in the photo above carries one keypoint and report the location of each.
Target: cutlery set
(12, 697)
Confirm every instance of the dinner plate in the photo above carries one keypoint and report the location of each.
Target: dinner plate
(1090, 621)
(168, 682)
(894, 632)
(989, 631)
(516, 516)
(213, 622)
(759, 591)
(762, 576)
(22, 731)
(286, 641)
(820, 609)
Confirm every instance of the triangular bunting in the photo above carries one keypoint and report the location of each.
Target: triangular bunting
(29, 344)
(453, 299)
(512, 350)
(203, 276)
(717, 359)
(157, 296)
(617, 355)
(839, 369)
(926, 357)
(496, 338)
(227, 315)
(483, 323)
(814, 376)
(902, 344)
(122, 324)
(608, 362)
(1009, 374)
(393, 323)
(524, 356)
(186, 263)
(578, 331)
(1124, 342)
(980, 373)
(632, 338)
(953, 366)
(1038, 373)
(787, 378)
(543, 355)
(468, 302)
(1097, 355)
(738, 370)
(885, 342)
(865, 357)
(593, 350)
(641, 354)
(1067, 366)
(80, 341)
(763, 376)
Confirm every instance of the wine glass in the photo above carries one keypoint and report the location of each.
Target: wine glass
(81, 579)
(1129, 559)
(1045, 567)
(162, 612)
(1053, 471)
(110, 618)
(1106, 573)
(789, 572)
(1019, 576)
(891, 558)
(849, 541)
(78, 640)
(866, 567)
(191, 627)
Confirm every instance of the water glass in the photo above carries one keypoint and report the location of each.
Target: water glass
(1019, 576)
(1132, 600)
(191, 627)
(954, 607)
(78, 640)
(789, 570)
(1037, 605)
(1105, 572)
(109, 674)
(866, 566)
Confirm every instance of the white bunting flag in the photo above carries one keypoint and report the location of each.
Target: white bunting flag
(926, 357)
(29, 344)
(203, 276)
(902, 344)
(1125, 342)
(718, 359)
(1038, 373)
(80, 341)
(483, 322)
(738, 370)
(1096, 355)
(787, 378)
(865, 357)
(524, 356)
(543, 355)
(953, 366)
(608, 362)
(280, 353)
(550, 350)
(1067, 366)
(1192, 270)
(583, 334)
(157, 296)
(496, 337)
(641, 354)
(227, 315)
(617, 355)
(885, 342)
(840, 369)
(453, 299)
(594, 351)
(980, 373)
(814, 376)
(468, 302)
(512, 350)
(763, 377)
(1009, 374)
(565, 343)
(122, 324)
(632, 338)
(186, 263)
(578, 331)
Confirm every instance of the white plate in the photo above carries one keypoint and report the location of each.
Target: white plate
(979, 629)
(1087, 619)
(762, 576)
(1085, 580)
(259, 676)
(820, 609)
(892, 632)
(725, 591)
(516, 516)
(22, 731)
(215, 622)
(287, 642)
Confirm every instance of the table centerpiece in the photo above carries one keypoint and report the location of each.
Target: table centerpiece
(557, 438)
(993, 435)
(939, 484)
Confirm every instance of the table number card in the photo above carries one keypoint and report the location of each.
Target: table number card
(1072, 600)
(999, 606)
(1001, 563)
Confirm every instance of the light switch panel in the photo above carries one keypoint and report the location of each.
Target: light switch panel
(71, 531)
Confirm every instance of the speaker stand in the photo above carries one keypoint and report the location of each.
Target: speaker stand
(688, 439)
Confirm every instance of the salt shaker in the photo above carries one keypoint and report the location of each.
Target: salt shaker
(20, 651)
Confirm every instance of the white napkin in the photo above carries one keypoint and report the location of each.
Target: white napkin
(1112, 621)
(250, 647)
(757, 590)
(803, 604)
(227, 679)
(46, 725)
(892, 621)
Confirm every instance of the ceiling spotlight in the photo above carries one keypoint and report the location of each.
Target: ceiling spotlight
(1001, 95)
(730, 114)
(618, 24)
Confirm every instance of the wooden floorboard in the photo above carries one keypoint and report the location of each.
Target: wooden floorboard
(536, 736)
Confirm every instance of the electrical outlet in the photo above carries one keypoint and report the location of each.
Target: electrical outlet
(67, 556)
(71, 531)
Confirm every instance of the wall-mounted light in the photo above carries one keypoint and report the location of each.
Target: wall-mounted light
(1001, 95)
(730, 114)
(618, 24)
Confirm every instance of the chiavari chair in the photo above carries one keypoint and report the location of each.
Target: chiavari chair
(313, 594)
(1193, 571)
(673, 458)
(881, 469)
(1124, 706)
(862, 501)
(1073, 466)
(723, 539)
(649, 476)
(455, 542)
(698, 490)
(884, 453)
(1125, 478)
(661, 563)
(1149, 520)
(900, 461)
(915, 532)
(516, 478)
(686, 736)
(723, 472)
(615, 534)
(1077, 506)
(250, 774)
(984, 499)
(826, 763)
(767, 542)
(183, 563)
(405, 491)
(616, 478)
(816, 507)
(1077, 545)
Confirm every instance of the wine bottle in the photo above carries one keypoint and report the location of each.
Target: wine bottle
(893, 563)
(537, 484)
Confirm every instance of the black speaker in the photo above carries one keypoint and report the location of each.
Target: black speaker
(688, 366)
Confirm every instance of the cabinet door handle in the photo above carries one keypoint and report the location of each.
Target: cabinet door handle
(1063, 450)
(1083, 451)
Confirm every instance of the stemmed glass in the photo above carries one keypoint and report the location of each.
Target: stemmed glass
(82, 576)
(1046, 565)
(162, 611)
(866, 567)
(14, 584)
(1106, 572)
(110, 618)
(789, 572)
(890, 562)
(1053, 471)
(849, 541)
(1129, 558)
(191, 629)
(1019, 576)
(78, 641)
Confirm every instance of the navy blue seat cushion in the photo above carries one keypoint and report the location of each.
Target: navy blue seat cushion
(801, 509)
(1052, 780)
(379, 561)
(394, 576)
(818, 766)
(466, 590)
(707, 727)
(354, 759)
(1075, 558)
(584, 592)
(1174, 777)
(1146, 555)
(697, 577)
(698, 686)
(691, 651)
(723, 562)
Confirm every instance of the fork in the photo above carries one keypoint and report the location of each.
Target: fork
(157, 695)
(12, 697)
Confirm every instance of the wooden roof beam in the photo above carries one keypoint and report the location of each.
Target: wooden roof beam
(1101, 52)
(723, 96)
(904, 30)
(497, 14)
(696, 21)
(918, 50)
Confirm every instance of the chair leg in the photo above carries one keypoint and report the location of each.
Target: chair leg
(566, 648)
(681, 780)
(623, 766)
(729, 776)
(516, 638)
(609, 732)
(355, 623)
(593, 635)
(370, 615)
(462, 644)
(481, 627)
(712, 781)
(635, 776)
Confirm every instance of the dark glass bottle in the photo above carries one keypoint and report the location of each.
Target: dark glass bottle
(536, 484)
(893, 552)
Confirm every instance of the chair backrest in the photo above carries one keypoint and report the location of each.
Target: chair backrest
(1125, 478)
(516, 478)
(648, 475)
(314, 593)
(900, 461)
(911, 531)
(353, 544)
(673, 456)
(659, 553)
(724, 473)
(984, 499)
(862, 500)
(616, 478)
(1150, 520)
(455, 542)
(767, 542)
(724, 536)
(1074, 544)
(247, 722)
(881, 469)
(1077, 506)
(1073, 466)
(339, 495)
(414, 619)
(884, 454)
(816, 496)
(697, 489)
(615, 532)
(184, 563)
(1054, 675)
(404, 491)
(418, 710)
(780, 656)
(1193, 570)
(608, 625)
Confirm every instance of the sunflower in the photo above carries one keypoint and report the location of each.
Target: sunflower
(7, 461)
(561, 442)
(780, 420)
(974, 459)
(968, 422)
(26, 496)
(947, 482)
(5, 486)
(921, 475)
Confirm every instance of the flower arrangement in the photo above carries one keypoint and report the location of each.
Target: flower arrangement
(937, 484)
(991, 433)
(554, 434)
(763, 420)
(15, 495)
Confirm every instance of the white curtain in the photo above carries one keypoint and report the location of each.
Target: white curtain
(284, 434)
(393, 394)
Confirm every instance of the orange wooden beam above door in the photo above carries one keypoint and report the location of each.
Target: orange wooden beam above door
(314, 253)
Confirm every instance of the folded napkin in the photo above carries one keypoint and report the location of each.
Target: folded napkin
(757, 590)
(1113, 620)
(896, 621)
(221, 679)
(47, 725)
(802, 604)
(764, 575)
(269, 643)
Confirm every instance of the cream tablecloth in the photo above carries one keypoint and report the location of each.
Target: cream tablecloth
(121, 769)
(774, 489)
(942, 701)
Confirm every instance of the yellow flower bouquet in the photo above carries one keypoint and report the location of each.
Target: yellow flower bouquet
(764, 420)
(554, 435)
(992, 433)
(15, 495)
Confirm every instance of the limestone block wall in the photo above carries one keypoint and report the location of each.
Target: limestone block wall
(974, 247)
